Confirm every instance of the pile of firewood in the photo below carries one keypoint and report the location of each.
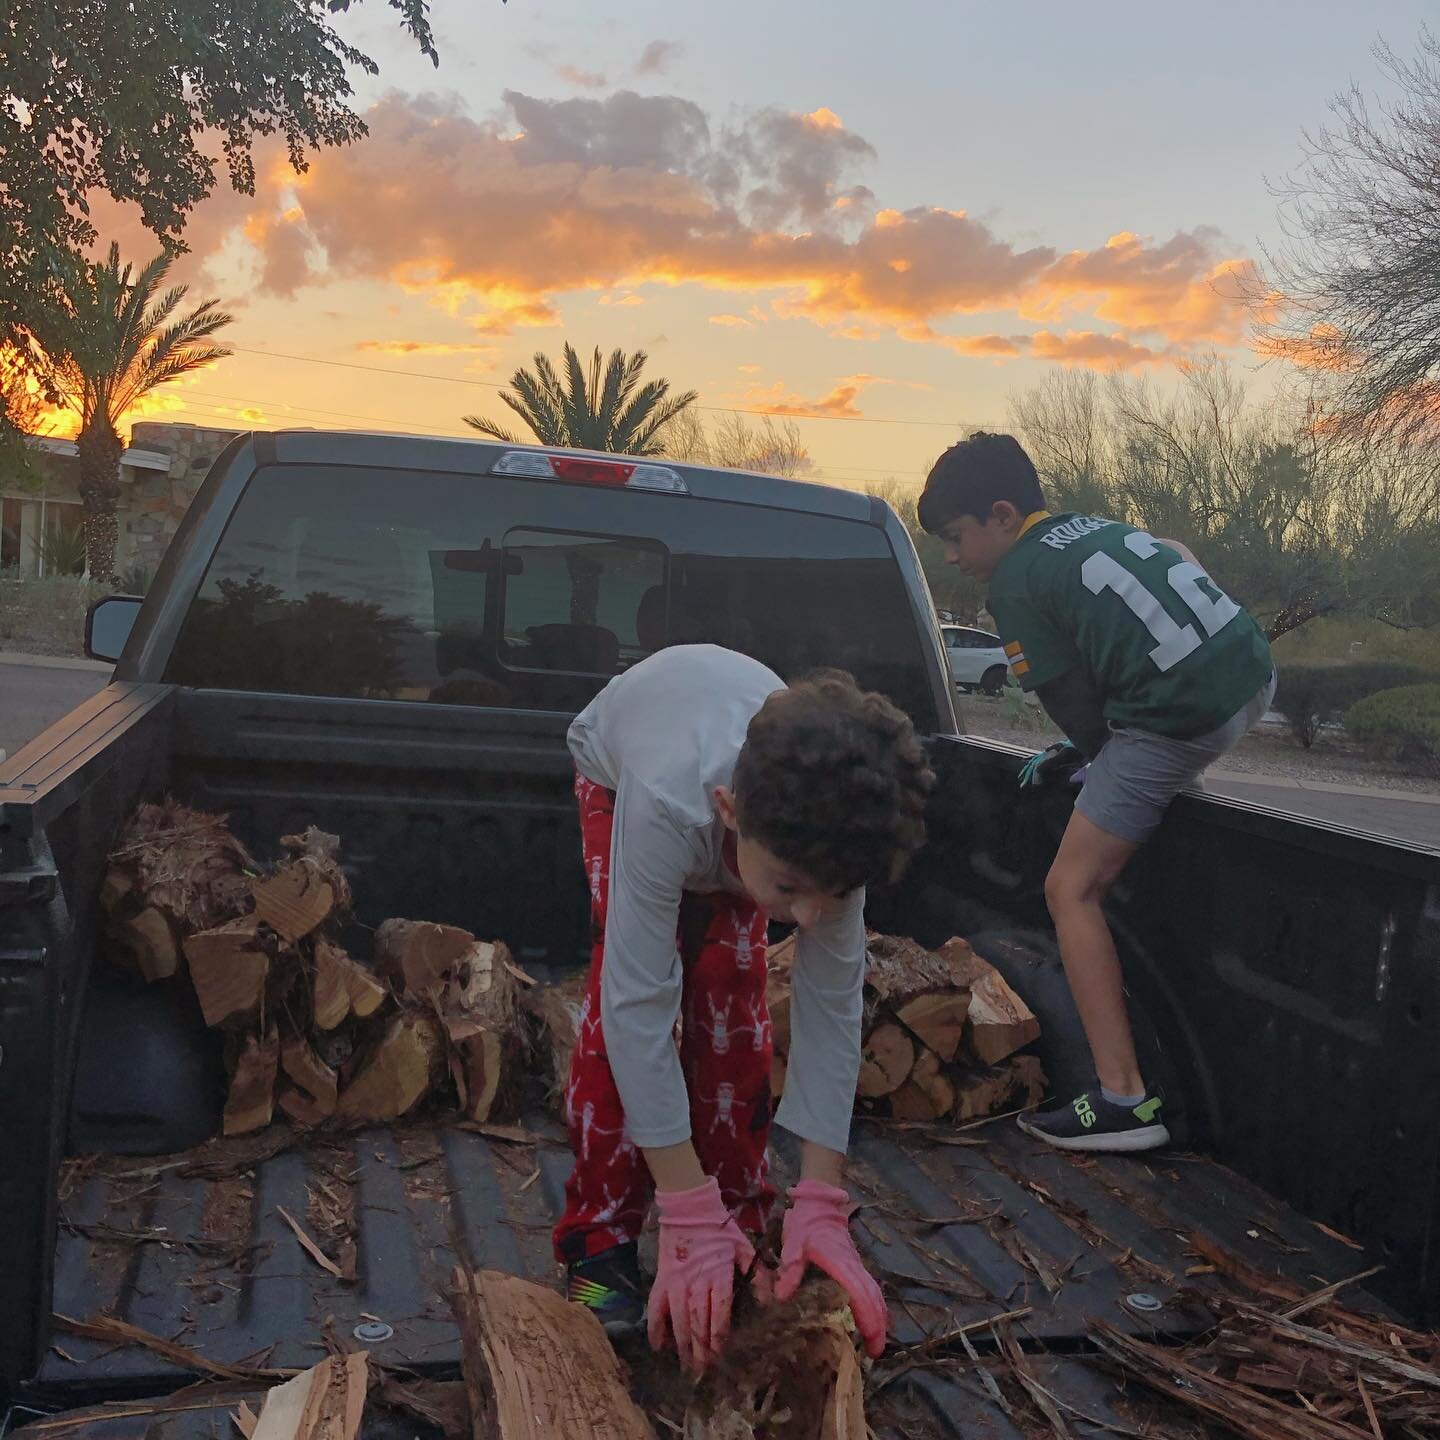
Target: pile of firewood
(306, 1027)
(941, 1031)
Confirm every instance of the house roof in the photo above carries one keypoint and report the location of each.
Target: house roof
(137, 459)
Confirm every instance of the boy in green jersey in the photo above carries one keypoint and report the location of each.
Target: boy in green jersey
(1151, 670)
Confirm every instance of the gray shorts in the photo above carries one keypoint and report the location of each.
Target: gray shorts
(1131, 783)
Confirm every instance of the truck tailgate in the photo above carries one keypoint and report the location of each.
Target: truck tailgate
(195, 1249)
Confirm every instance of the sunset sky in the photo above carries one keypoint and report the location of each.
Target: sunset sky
(898, 213)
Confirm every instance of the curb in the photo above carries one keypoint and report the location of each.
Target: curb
(1320, 787)
(55, 662)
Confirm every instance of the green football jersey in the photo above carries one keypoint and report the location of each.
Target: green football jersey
(1165, 648)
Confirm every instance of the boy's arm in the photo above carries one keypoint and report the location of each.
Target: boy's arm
(1071, 702)
(827, 982)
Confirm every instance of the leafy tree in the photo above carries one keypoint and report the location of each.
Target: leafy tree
(104, 342)
(736, 443)
(599, 409)
(145, 101)
(1355, 293)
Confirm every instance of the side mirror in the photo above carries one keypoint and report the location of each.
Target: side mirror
(107, 625)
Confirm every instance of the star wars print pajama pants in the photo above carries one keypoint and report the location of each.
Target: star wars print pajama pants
(725, 1049)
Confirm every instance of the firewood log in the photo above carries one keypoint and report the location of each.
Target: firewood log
(480, 1014)
(228, 968)
(418, 954)
(315, 1080)
(326, 1402)
(389, 1077)
(148, 942)
(1000, 1022)
(928, 1093)
(341, 986)
(557, 1010)
(898, 969)
(937, 1020)
(296, 900)
(886, 1059)
(536, 1366)
(250, 1104)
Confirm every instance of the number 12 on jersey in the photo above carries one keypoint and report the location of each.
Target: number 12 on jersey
(1172, 642)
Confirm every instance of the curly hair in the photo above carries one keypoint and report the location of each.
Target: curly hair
(833, 781)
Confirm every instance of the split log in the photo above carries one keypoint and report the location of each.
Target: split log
(250, 1104)
(557, 1009)
(148, 943)
(480, 1014)
(536, 1366)
(928, 1093)
(390, 1077)
(885, 1061)
(316, 1094)
(1017, 1083)
(419, 954)
(228, 968)
(937, 1020)
(296, 900)
(1000, 1022)
(897, 970)
(326, 1402)
(341, 987)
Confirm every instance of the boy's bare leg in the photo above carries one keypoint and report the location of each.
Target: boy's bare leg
(1088, 864)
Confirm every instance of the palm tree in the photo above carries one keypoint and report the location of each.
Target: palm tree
(105, 341)
(613, 411)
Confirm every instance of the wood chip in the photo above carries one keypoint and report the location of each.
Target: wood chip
(309, 1246)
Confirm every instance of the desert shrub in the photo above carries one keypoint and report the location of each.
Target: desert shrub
(1401, 724)
(1309, 696)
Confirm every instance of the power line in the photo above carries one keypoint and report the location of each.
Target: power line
(496, 385)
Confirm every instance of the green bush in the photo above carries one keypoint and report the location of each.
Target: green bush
(1309, 696)
(1401, 724)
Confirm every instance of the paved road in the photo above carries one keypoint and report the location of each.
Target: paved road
(32, 698)
(1414, 820)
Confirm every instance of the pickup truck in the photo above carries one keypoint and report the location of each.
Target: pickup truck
(387, 636)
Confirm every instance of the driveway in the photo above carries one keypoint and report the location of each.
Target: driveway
(34, 696)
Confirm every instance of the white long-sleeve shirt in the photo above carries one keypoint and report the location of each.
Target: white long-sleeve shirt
(662, 736)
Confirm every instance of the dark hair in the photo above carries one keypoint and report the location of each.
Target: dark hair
(970, 477)
(833, 780)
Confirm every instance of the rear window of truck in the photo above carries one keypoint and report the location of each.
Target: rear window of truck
(506, 592)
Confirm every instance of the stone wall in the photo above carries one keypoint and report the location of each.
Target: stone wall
(154, 504)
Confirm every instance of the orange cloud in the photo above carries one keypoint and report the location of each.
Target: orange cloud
(840, 401)
(622, 300)
(423, 347)
(598, 194)
(587, 79)
(738, 322)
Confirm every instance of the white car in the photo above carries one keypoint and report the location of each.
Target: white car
(977, 659)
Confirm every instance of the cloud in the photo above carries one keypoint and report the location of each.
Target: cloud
(738, 322)
(588, 79)
(657, 57)
(839, 402)
(626, 300)
(749, 369)
(499, 219)
(423, 347)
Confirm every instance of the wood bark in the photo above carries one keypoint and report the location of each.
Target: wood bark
(250, 1104)
(1014, 1084)
(536, 1366)
(557, 1008)
(885, 1061)
(420, 955)
(898, 969)
(391, 1076)
(480, 1012)
(228, 968)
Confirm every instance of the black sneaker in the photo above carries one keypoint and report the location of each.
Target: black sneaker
(1091, 1122)
(609, 1285)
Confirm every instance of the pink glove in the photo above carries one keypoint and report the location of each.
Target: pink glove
(700, 1246)
(817, 1232)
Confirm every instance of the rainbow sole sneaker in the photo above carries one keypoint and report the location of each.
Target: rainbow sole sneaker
(610, 1287)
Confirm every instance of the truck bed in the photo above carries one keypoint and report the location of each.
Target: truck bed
(194, 1249)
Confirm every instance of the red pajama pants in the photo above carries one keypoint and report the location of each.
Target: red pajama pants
(725, 1051)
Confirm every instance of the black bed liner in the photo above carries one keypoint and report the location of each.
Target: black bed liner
(1072, 1238)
